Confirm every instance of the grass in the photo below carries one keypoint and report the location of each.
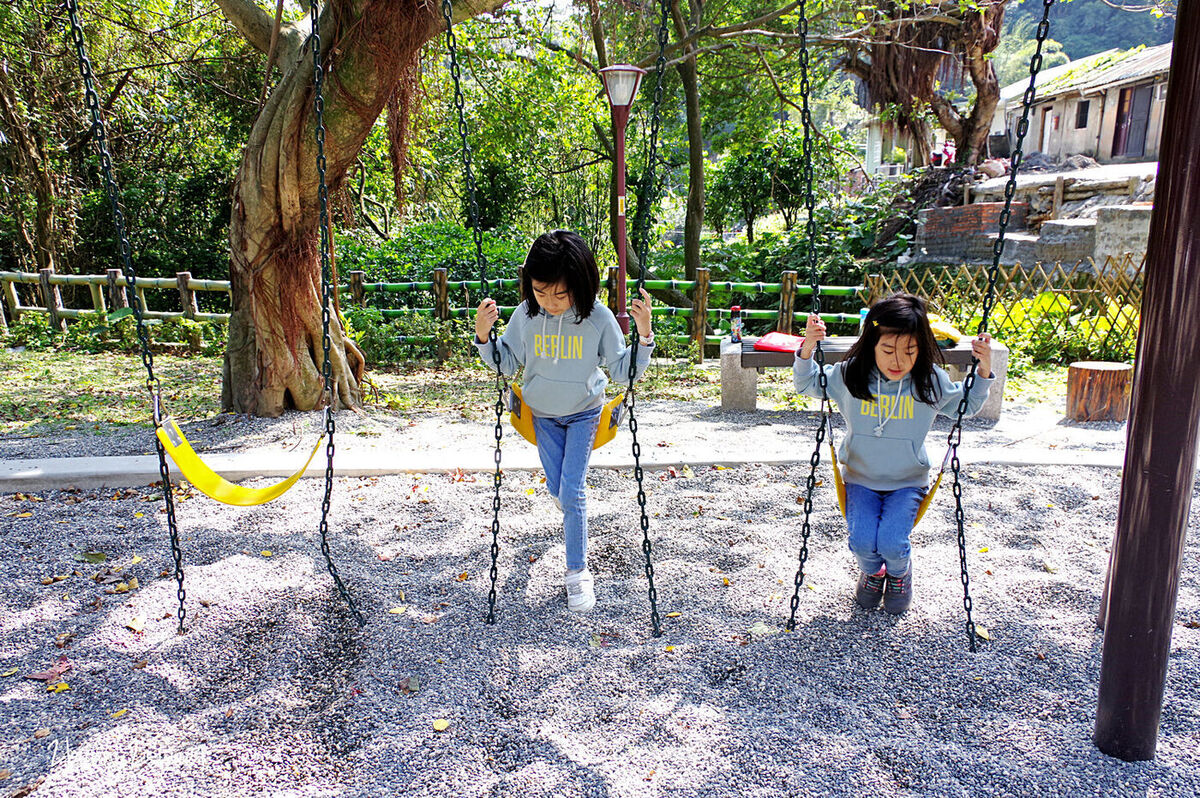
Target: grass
(46, 391)
(43, 392)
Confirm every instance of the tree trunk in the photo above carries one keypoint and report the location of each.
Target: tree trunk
(693, 224)
(274, 355)
(921, 137)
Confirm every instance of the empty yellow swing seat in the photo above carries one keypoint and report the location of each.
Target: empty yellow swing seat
(212, 484)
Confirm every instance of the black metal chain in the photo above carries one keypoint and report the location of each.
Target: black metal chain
(955, 436)
(810, 255)
(642, 248)
(481, 262)
(118, 216)
(326, 306)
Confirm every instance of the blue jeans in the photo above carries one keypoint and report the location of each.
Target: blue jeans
(880, 522)
(565, 446)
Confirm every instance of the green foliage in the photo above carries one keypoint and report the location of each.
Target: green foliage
(116, 332)
(742, 183)
(1047, 328)
(414, 255)
(1084, 27)
(385, 341)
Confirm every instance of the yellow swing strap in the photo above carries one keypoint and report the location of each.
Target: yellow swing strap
(212, 484)
(520, 416)
(839, 482)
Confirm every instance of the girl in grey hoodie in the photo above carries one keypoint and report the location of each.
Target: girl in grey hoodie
(561, 335)
(889, 390)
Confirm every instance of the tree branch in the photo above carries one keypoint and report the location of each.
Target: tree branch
(257, 26)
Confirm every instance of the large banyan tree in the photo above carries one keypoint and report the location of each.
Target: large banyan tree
(910, 55)
(370, 52)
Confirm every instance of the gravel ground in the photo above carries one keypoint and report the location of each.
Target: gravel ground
(275, 688)
(673, 429)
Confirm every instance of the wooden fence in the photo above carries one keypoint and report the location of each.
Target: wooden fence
(1093, 306)
(110, 292)
(699, 290)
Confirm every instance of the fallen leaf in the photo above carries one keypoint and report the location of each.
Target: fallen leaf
(60, 666)
(141, 663)
(670, 648)
(139, 514)
(9, 672)
(41, 734)
(983, 549)
(47, 580)
(648, 776)
(529, 491)
(464, 576)
(229, 712)
(982, 632)
(1048, 568)
(133, 583)
(136, 559)
(441, 724)
(267, 552)
(136, 623)
(674, 614)
(687, 472)
(94, 557)
(760, 629)
(58, 688)
(1040, 656)
(23, 515)
(122, 587)
(398, 610)
(61, 640)
(725, 580)
(1188, 624)
(410, 684)
(595, 642)
(119, 713)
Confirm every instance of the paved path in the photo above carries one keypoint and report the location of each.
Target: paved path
(671, 434)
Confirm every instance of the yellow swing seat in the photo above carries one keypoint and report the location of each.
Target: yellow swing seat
(521, 417)
(212, 484)
(839, 483)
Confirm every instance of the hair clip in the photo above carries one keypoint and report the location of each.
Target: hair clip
(875, 322)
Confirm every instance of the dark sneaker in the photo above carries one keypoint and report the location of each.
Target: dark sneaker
(898, 593)
(869, 592)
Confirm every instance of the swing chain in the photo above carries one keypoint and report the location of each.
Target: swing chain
(326, 305)
(467, 155)
(955, 435)
(92, 100)
(641, 246)
(481, 263)
(810, 256)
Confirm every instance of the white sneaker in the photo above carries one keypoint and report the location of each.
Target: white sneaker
(580, 595)
(557, 503)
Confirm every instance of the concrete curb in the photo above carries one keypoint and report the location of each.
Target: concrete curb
(128, 472)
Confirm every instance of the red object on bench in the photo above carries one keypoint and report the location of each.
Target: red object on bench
(779, 342)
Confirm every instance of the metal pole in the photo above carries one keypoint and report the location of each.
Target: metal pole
(620, 115)
(1160, 457)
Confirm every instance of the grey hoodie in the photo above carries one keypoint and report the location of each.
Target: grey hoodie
(562, 355)
(896, 457)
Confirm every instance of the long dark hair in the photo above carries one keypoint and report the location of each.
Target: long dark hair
(899, 314)
(561, 256)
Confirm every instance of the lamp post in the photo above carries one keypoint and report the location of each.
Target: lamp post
(621, 84)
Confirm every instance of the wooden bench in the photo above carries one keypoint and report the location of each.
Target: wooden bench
(741, 364)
